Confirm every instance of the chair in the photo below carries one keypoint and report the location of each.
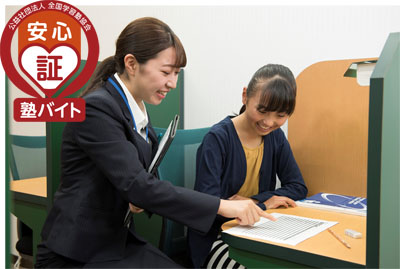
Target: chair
(27, 160)
(27, 156)
(179, 167)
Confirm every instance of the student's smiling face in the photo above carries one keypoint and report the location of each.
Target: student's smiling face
(262, 122)
(155, 78)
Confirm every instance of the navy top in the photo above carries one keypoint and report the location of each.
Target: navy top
(221, 171)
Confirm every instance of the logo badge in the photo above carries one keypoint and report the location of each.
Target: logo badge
(49, 65)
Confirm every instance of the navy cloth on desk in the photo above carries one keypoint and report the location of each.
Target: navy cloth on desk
(221, 171)
(104, 167)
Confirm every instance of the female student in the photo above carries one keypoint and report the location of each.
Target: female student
(241, 156)
(105, 160)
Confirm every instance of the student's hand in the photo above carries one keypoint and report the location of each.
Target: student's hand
(245, 211)
(135, 209)
(238, 197)
(277, 201)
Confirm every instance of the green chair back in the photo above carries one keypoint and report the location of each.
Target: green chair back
(27, 156)
(179, 167)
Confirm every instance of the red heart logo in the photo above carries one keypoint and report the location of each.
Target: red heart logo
(49, 69)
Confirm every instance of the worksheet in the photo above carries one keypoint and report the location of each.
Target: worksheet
(287, 229)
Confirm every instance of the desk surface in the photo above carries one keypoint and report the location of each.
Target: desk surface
(33, 186)
(324, 243)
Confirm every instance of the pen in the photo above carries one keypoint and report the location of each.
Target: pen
(339, 238)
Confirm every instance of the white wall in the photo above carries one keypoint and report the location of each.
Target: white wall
(225, 45)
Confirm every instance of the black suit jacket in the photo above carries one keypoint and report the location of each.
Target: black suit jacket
(104, 163)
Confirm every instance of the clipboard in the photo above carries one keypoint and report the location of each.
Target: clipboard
(163, 146)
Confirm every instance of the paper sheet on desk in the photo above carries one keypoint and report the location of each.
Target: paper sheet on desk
(287, 229)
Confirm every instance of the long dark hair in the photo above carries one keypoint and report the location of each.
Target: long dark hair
(144, 38)
(278, 89)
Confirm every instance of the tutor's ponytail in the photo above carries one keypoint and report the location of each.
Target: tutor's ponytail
(103, 71)
(242, 109)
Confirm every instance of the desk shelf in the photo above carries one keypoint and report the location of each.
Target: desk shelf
(29, 204)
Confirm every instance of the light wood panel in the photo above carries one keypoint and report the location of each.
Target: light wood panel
(328, 131)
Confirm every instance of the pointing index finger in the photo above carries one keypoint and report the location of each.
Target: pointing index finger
(268, 216)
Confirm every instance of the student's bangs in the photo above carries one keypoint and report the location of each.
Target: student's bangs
(277, 95)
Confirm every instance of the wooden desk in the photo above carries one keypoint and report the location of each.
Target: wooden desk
(321, 250)
(32, 186)
(29, 204)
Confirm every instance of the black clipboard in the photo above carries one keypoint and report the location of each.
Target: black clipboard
(163, 146)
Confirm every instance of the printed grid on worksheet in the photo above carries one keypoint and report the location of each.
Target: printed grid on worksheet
(284, 228)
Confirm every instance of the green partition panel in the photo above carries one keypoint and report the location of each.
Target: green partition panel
(7, 188)
(383, 220)
(170, 106)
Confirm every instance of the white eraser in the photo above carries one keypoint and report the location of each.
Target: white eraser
(352, 233)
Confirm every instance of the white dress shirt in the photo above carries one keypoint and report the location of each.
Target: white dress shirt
(140, 116)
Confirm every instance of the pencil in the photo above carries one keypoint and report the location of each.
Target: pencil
(339, 238)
